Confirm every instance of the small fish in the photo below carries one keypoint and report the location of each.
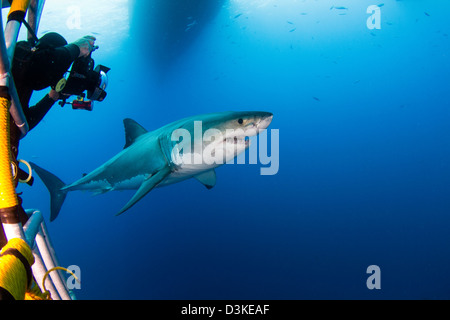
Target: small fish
(357, 81)
(380, 5)
(190, 25)
(341, 8)
(304, 13)
(292, 30)
(342, 14)
(237, 16)
(315, 98)
(290, 22)
(427, 14)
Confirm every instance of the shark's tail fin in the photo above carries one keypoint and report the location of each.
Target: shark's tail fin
(54, 186)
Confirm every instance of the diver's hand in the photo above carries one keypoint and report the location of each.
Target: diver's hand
(86, 45)
(53, 94)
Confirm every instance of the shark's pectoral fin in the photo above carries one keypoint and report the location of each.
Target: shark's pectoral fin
(145, 188)
(208, 178)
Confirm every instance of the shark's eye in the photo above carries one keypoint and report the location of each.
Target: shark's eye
(240, 121)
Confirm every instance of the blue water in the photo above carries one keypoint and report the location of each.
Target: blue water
(364, 178)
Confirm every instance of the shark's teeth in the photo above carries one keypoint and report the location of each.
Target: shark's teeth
(234, 140)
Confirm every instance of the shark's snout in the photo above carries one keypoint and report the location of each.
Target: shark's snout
(265, 121)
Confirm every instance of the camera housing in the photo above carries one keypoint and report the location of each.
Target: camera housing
(84, 77)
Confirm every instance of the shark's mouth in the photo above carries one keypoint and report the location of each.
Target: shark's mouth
(237, 140)
(215, 146)
(240, 140)
(241, 137)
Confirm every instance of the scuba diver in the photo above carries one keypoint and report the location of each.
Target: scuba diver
(41, 64)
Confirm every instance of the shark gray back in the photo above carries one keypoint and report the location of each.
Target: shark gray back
(158, 158)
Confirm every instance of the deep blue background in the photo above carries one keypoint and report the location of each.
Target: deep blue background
(364, 172)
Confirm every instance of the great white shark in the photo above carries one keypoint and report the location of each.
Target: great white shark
(160, 157)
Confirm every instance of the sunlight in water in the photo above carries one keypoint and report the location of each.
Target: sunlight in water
(107, 20)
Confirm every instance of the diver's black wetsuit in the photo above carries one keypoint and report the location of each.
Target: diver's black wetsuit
(46, 67)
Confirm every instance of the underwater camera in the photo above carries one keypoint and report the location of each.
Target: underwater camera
(84, 77)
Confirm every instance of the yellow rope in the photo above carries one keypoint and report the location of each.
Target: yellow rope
(13, 274)
(35, 293)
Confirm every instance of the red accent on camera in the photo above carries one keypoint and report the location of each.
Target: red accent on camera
(83, 105)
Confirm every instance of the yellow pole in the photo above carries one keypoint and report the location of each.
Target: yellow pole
(9, 202)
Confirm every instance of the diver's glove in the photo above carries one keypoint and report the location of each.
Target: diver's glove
(55, 95)
(86, 45)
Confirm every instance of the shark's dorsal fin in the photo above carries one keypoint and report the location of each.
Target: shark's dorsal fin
(208, 178)
(133, 130)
